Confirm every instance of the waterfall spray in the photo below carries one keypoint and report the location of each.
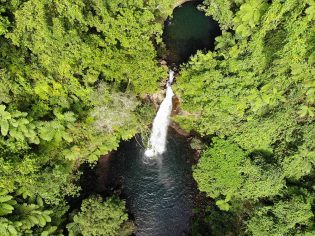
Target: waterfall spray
(157, 141)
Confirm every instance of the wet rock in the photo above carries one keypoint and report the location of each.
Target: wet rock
(179, 130)
(102, 172)
(163, 62)
(157, 99)
(176, 106)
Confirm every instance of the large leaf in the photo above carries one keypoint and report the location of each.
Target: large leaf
(47, 134)
(4, 127)
(67, 137)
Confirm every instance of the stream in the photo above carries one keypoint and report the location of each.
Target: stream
(158, 194)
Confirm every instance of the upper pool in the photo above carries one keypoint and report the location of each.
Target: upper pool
(187, 31)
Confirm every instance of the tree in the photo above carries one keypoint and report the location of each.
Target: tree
(255, 93)
(54, 58)
(285, 217)
(230, 175)
(98, 217)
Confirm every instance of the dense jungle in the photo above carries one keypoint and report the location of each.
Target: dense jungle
(78, 80)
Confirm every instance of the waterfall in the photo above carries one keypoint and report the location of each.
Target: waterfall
(157, 141)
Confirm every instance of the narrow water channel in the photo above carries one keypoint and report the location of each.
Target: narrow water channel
(159, 194)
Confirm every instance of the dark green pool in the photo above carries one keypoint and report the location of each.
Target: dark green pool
(159, 194)
(187, 31)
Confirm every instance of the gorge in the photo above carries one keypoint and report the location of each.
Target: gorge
(157, 182)
(81, 82)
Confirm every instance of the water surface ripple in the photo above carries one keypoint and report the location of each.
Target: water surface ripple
(159, 194)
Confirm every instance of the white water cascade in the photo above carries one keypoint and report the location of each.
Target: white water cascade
(157, 141)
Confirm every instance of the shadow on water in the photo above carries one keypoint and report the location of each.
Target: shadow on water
(159, 193)
(187, 31)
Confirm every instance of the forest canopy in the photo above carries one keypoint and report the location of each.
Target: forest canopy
(256, 94)
(72, 77)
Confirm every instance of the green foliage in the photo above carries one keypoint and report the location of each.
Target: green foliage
(98, 217)
(285, 217)
(26, 215)
(110, 106)
(6, 203)
(256, 93)
(227, 173)
(112, 47)
(71, 77)
(218, 171)
(210, 220)
(17, 126)
(249, 16)
(221, 10)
